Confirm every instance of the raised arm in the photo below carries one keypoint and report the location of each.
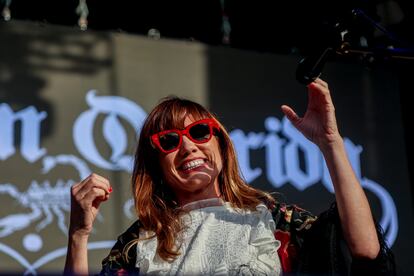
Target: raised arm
(319, 126)
(86, 196)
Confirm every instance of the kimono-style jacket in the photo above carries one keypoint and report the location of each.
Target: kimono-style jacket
(310, 245)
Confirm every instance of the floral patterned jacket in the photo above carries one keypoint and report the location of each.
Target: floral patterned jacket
(309, 245)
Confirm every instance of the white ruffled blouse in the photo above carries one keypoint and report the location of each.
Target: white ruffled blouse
(217, 240)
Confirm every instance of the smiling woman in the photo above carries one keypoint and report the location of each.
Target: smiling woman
(192, 169)
(188, 158)
(196, 215)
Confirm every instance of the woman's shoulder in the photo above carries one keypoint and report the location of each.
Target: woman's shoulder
(131, 233)
(120, 259)
(292, 215)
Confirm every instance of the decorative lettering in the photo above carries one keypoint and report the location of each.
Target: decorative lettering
(30, 120)
(275, 165)
(243, 144)
(113, 131)
(289, 159)
(283, 147)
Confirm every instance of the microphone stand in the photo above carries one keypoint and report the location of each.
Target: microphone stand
(310, 67)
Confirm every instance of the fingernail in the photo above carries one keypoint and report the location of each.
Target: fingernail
(110, 189)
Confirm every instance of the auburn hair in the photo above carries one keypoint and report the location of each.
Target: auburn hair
(155, 204)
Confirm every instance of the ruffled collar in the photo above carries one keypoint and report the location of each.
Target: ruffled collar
(203, 203)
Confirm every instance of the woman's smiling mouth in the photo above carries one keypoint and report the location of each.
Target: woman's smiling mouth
(193, 164)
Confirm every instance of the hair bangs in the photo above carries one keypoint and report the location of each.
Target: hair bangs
(178, 111)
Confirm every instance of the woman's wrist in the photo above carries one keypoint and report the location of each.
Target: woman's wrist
(79, 235)
(334, 144)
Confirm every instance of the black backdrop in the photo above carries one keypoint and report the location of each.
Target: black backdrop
(52, 68)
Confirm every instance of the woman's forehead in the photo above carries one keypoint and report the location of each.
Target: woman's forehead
(180, 121)
(188, 120)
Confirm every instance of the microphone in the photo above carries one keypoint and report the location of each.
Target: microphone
(310, 68)
(330, 37)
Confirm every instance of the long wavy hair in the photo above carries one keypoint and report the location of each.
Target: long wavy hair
(155, 204)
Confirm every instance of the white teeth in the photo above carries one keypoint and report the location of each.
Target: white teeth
(193, 164)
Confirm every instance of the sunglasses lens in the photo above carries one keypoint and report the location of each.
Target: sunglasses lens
(200, 132)
(169, 141)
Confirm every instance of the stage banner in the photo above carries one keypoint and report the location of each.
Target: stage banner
(72, 103)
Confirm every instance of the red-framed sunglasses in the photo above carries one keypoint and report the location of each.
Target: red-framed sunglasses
(199, 132)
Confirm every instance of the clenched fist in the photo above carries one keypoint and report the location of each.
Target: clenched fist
(86, 196)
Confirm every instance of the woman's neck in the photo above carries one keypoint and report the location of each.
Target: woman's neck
(215, 201)
(186, 197)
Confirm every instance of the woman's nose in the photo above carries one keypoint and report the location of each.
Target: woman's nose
(187, 145)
